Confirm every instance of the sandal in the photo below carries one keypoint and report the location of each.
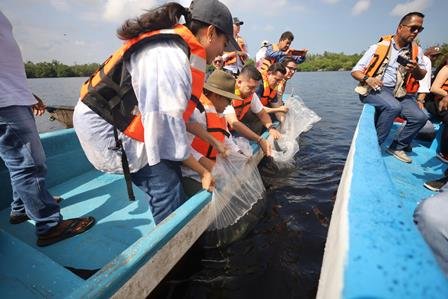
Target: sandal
(66, 229)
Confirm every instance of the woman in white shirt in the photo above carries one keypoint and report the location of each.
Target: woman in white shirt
(162, 81)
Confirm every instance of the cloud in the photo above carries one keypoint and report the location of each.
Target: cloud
(360, 7)
(330, 1)
(61, 5)
(264, 7)
(404, 8)
(120, 10)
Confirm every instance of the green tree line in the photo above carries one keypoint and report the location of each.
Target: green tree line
(327, 61)
(55, 69)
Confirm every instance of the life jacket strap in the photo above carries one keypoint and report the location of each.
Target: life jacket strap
(124, 165)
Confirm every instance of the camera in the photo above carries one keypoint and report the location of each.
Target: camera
(403, 60)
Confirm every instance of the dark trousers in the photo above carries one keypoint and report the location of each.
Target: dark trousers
(432, 107)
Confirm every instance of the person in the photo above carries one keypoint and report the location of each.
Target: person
(281, 50)
(165, 64)
(429, 57)
(247, 103)
(430, 218)
(438, 105)
(261, 53)
(291, 67)
(235, 60)
(218, 93)
(218, 62)
(22, 151)
(267, 91)
(388, 73)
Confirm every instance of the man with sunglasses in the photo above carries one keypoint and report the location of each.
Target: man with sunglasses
(291, 67)
(388, 74)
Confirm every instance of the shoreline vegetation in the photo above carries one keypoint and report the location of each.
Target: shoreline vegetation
(327, 61)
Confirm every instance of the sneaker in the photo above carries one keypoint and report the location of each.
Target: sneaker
(436, 185)
(399, 154)
(442, 157)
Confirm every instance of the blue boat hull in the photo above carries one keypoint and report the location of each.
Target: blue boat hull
(374, 249)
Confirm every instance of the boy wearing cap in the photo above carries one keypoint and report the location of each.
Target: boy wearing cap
(234, 61)
(218, 93)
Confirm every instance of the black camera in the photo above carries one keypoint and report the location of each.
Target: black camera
(403, 60)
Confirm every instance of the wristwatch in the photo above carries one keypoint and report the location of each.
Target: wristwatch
(364, 79)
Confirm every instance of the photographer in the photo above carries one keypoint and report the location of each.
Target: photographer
(388, 74)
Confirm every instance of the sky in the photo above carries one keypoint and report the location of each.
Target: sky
(84, 31)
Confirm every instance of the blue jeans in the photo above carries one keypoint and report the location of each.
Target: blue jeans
(431, 217)
(163, 185)
(22, 151)
(387, 108)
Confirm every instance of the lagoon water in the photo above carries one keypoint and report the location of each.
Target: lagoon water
(282, 255)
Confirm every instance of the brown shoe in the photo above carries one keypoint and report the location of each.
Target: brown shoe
(16, 219)
(66, 229)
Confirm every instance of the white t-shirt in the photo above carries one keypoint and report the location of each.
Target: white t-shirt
(14, 88)
(261, 54)
(255, 106)
(161, 78)
(96, 137)
(199, 117)
(425, 83)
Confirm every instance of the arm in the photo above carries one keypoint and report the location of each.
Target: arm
(418, 66)
(208, 181)
(246, 132)
(440, 79)
(276, 55)
(436, 88)
(267, 122)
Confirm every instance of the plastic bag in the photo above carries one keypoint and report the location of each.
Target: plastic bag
(238, 187)
(299, 119)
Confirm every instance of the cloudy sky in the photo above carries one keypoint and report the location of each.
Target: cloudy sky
(83, 31)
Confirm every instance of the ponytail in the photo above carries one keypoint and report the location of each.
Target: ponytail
(162, 17)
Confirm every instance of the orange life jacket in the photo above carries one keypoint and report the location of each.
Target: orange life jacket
(242, 45)
(267, 62)
(109, 90)
(444, 87)
(216, 126)
(380, 55)
(241, 106)
(268, 93)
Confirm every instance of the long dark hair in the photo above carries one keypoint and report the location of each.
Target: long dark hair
(162, 17)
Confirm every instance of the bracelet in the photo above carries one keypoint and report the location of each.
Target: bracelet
(421, 101)
(269, 127)
(259, 139)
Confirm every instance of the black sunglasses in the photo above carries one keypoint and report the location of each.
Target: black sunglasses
(415, 28)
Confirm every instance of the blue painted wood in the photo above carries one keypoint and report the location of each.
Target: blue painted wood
(27, 273)
(387, 257)
(123, 239)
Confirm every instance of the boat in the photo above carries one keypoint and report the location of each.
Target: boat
(125, 255)
(373, 248)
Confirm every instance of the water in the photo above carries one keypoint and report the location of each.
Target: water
(281, 257)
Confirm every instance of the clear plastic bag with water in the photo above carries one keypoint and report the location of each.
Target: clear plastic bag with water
(238, 189)
(299, 119)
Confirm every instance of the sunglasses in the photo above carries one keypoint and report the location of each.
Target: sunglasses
(415, 28)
